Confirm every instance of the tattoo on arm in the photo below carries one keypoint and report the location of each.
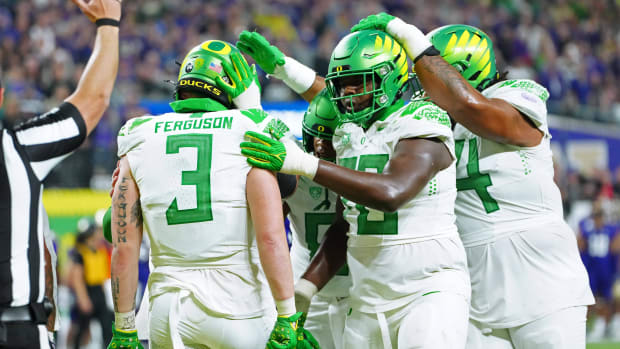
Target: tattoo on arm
(115, 292)
(136, 213)
(447, 74)
(122, 211)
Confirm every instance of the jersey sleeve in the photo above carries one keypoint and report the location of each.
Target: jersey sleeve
(423, 119)
(130, 135)
(49, 138)
(526, 96)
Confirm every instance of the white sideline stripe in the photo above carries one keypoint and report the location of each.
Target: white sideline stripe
(20, 221)
(54, 132)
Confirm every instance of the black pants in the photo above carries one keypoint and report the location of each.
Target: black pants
(23, 335)
(100, 312)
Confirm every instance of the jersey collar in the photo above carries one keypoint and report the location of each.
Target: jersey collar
(195, 105)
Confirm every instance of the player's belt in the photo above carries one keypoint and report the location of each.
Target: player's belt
(16, 314)
(37, 312)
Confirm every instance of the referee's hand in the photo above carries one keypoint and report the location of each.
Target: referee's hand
(96, 9)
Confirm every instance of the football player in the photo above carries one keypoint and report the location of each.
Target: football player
(213, 222)
(311, 208)
(395, 174)
(529, 286)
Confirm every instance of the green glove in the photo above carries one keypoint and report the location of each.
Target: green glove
(244, 87)
(266, 55)
(107, 225)
(286, 156)
(124, 339)
(284, 333)
(378, 22)
(305, 339)
(263, 152)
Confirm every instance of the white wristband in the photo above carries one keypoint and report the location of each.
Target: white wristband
(304, 291)
(408, 35)
(249, 99)
(298, 162)
(295, 75)
(125, 321)
(286, 307)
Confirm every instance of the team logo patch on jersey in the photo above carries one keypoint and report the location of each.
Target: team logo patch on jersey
(315, 192)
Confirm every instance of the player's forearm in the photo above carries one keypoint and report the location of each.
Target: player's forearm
(124, 276)
(377, 191)
(92, 95)
(317, 86)
(446, 87)
(126, 238)
(266, 209)
(330, 257)
(276, 262)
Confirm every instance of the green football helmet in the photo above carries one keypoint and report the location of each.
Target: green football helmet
(320, 120)
(469, 50)
(371, 56)
(200, 68)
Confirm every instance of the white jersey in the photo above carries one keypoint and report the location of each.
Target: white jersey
(504, 190)
(385, 275)
(312, 210)
(192, 181)
(428, 215)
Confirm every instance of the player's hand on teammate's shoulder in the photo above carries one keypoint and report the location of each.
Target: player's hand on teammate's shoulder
(97, 9)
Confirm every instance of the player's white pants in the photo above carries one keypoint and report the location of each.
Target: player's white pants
(563, 329)
(177, 321)
(326, 318)
(437, 320)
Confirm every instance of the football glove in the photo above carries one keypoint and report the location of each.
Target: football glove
(284, 333)
(286, 156)
(294, 74)
(408, 35)
(244, 87)
(305, 339)
(124, 339)
(265, 54)
(106, 225)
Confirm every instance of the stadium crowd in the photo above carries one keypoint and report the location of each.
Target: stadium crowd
(571, 47)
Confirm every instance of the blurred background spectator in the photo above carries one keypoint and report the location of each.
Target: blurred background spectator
(87, 275)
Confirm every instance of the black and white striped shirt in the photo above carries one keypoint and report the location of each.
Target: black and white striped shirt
(29, 152)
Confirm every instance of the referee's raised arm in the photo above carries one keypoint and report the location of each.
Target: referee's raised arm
(92, 94)
(28, 152)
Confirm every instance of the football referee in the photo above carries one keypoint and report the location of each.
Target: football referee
(28, 153)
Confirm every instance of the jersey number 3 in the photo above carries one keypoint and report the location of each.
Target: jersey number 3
(201, 178)
(475, 180)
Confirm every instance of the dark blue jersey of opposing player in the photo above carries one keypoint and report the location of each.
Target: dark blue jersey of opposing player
(598, 255)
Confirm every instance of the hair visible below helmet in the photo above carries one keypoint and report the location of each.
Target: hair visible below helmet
(320, 120)
(469, 50)
(373, 56)
(201, 67)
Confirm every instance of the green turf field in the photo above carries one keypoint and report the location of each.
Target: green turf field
(606, 345)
